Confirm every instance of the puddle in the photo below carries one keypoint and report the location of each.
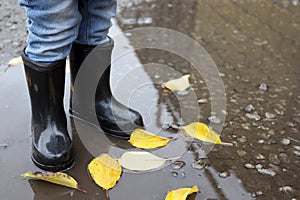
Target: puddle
(253, 45)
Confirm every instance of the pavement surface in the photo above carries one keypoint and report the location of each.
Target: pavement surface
(255, 45)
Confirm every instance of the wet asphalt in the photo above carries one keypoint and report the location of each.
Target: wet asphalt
(254, 44)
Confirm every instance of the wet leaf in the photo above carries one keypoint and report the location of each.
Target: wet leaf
(143, 139)
(202, 132)
(15, 61)
(181, 193)
(105, 171)
(179, 84)
(141, 161)
(58, 178)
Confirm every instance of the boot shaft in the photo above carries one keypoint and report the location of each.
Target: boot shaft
(46, 86)
(80, 52)
(96, 72)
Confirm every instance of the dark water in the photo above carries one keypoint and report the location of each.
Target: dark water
(255, 45)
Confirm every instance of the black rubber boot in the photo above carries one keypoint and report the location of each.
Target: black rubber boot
(51, 143)
(114, 118)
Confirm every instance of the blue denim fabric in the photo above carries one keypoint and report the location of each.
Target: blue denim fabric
(53, 25)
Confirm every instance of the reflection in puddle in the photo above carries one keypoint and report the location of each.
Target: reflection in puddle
(158, 109)
(252, 43)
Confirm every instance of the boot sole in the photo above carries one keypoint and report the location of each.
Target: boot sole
(96, 125)
(54, 168)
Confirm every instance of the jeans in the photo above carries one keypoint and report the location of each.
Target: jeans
(53, 25)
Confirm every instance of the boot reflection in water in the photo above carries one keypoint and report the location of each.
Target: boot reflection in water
(55, 30)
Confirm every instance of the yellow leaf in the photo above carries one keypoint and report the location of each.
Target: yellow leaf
(181, 193)
(105, 171)
(58, 178)
(143, 139)
(202, 132)
(179, 84)
(15, 61)
(140, 161)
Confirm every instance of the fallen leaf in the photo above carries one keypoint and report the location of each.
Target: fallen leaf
(181, 193)
(202, 132)
(58, 178)
(143, 139)
(105, 171)
(179, 84)
(15, 61)
(140, 161)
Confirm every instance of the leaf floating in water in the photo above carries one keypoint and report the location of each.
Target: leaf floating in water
(15, 61)
(202, 132)
(179, 84)
(105, 171)
(181, 193)
(143, 139)
(141, 161)
(58, 178)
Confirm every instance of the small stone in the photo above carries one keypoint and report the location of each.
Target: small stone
(269, 115)
(175, 174)
(224, 174)
(250, 108)
(297, 147)
(183, 175)
(241, 153)
(178, 164)
(263, 87)
(261, 141)
(16, 44)
(175, 126)
(295, 2)
(259, 193)
(284, 158)
(256, 194)
(268, 172)
(272, 142)
(297, 153)
(254, 116)
(278, 112)
(224, 112)
(202, 100)
(271, 132)
(13, 27)
(245, 126)
(242, 140)
(285, 141)
(156, 76)
(260, 157)
(286, 189)
(258, 166)
(201, 163)
(161, 61)
(3, 146)
(222, 74)
(291, 124)
(275, 167)
(128, 34)
(273, 158)
(183, 93)
(214, 119)
(249, 166)
(233, 100)
(197, 165)
(165, 126)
